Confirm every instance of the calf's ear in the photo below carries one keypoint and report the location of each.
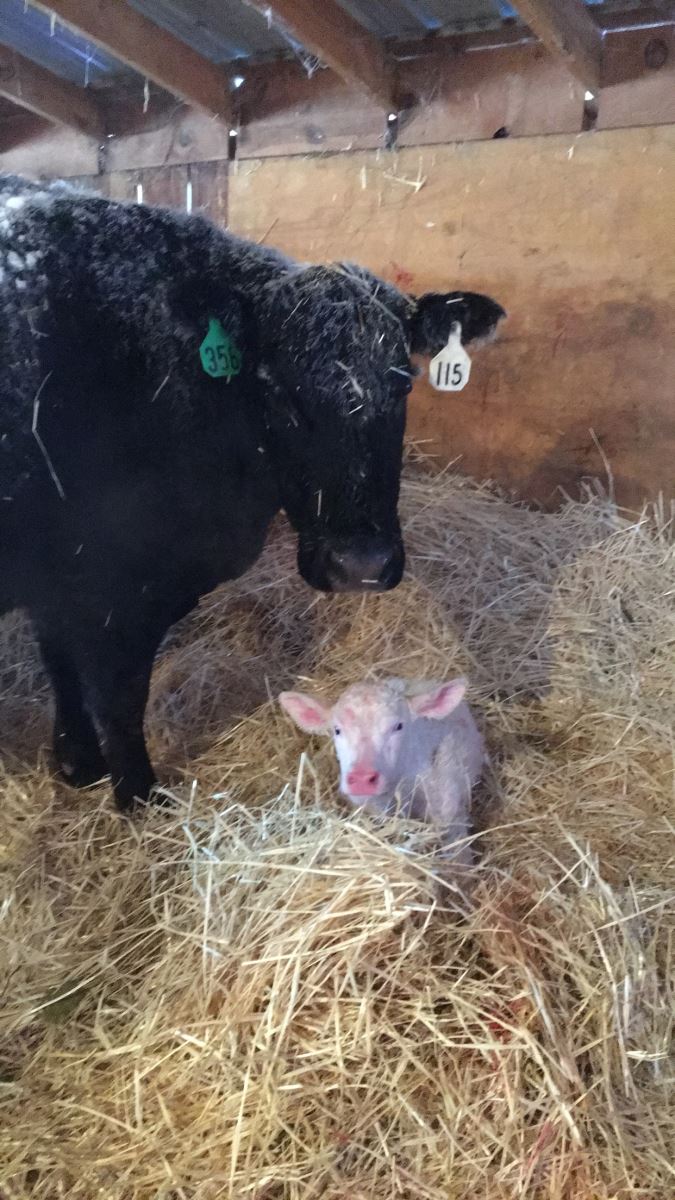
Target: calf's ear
(307, 712)
(435, 313)
(439, 701)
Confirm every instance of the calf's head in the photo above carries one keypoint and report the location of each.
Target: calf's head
(335, 368)
(376, 731)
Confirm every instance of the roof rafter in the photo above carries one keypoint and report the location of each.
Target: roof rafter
(31, 87)
(569, 32)
(330, 33)
(116, 27)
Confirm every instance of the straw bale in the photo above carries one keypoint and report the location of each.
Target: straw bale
(257, 993)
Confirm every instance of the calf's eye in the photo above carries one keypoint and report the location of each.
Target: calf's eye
(398, 728)
(337, 731)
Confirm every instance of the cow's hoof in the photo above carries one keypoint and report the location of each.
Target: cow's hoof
(80, 766)
(158, 797)
(132, 793)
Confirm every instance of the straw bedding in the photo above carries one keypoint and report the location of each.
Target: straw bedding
(261, 994)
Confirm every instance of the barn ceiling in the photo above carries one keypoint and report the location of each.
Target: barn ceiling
(69, 61)
(226, 30)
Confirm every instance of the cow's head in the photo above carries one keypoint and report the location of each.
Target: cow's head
(336, 368)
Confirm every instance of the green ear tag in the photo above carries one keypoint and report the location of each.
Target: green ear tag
(220, 357)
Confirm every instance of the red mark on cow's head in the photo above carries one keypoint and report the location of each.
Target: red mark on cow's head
(402, 278)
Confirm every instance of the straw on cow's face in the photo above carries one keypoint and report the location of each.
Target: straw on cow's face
(336, 385)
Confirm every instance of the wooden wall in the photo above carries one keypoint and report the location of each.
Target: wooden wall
(572, 233)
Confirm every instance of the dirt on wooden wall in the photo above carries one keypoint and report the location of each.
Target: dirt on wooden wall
(573, 234)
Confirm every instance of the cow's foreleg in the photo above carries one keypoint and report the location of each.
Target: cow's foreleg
(118, 680)
(114, 660)
(75, 743)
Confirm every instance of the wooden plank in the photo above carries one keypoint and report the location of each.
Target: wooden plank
(285, 111)
(32, 146)
(454, 94)
(638, 78)
(44, 94)
(122, 185)
(569, 32)
(631, 54)
(116, 27)
(210, 190)
(329, 32)
(517, 90)
(164, 185)
(461, 94)
(570, 233)
(179, 135)
(169, 186)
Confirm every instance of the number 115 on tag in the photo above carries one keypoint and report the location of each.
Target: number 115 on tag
(450, 369)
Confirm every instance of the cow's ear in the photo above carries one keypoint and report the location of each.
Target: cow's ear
(435, 313)
(439, 702)
(307, 712)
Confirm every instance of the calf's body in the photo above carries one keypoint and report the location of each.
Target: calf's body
(413, 749)
(132, 481)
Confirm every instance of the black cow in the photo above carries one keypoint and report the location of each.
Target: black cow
(166, 388)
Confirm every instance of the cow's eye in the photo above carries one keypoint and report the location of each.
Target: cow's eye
(398, 728)
(337, 731)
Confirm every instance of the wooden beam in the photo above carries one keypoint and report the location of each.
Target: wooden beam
(156, 54)
(329, 32)
(567, 29)
(459, 90)
(31, 87)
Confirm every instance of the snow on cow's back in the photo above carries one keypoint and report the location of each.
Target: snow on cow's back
(22, 242)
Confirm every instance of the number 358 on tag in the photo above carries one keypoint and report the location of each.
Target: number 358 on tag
(450, 369)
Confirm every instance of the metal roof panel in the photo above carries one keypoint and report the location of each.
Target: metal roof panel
(45, 41)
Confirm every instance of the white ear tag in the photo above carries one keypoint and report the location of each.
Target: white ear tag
(449, 371)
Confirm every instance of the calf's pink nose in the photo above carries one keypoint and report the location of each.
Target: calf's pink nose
(363, 782)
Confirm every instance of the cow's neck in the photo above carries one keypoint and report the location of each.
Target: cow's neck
(248, 266)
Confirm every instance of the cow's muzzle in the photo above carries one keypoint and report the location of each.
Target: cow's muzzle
(364, 564)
